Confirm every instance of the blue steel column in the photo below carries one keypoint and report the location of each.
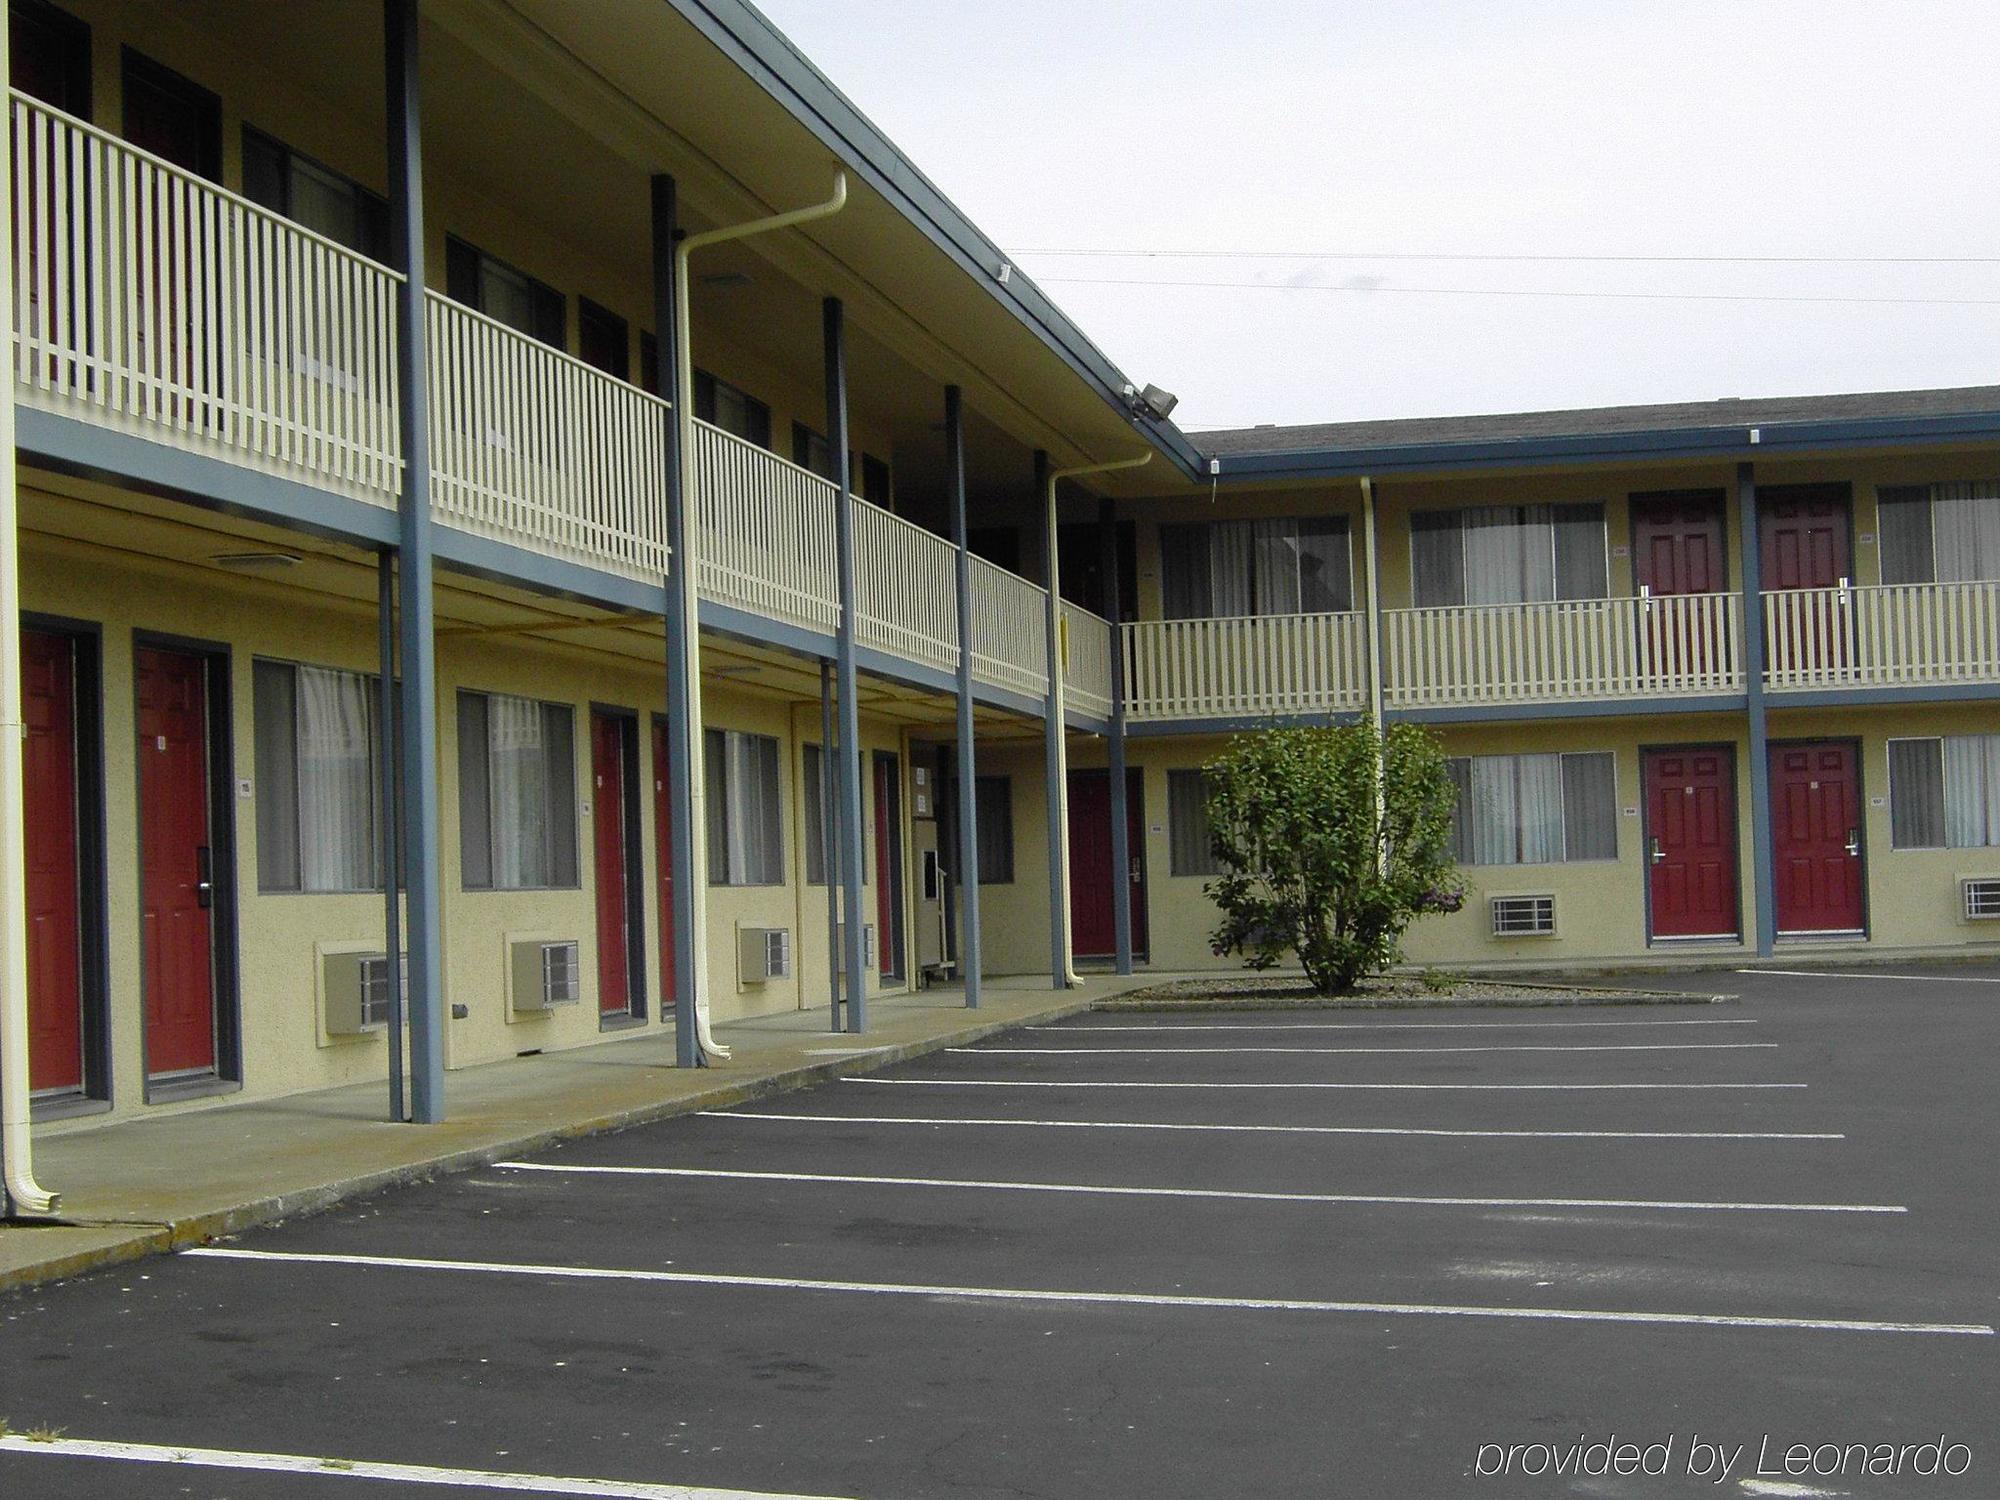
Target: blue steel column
(968, 780)
(392, 895)
(829, 834)
(680, 756)
(1121, 828)
(1052, 733)
(419, 739)
(1763, 861)
(853, 957)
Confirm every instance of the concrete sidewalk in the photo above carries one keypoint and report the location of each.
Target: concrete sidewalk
(144, 1186)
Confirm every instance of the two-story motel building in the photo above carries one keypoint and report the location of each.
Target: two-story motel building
(348, 350)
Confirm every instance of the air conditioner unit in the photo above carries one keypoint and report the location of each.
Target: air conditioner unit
(1523, 916)
(356, 991)
(867, 945)
(763, 953)
(1979, 898)
(545, 975)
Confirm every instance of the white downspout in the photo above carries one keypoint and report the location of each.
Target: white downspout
(697, 811)
(16, 1144)
(1060, 791)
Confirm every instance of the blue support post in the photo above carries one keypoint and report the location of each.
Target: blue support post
(1052, 733)
(392, 893)
(1763, 859)
(968, 779)
(419, 737)
(829, 835)
(686, 977)
(1122, 868)
(854, 954)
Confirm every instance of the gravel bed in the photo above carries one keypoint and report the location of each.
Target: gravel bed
(1384, 992)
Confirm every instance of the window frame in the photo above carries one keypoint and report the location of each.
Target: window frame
(1206, 529)
(589, 312)
(719, 765)
(69, 36)
(1211, 867)
(552, 786)
(709, 389)
(551, 306)
(376, 808)
(1555, 570)
(1992, 791)
(373, 207)
(1563, 758)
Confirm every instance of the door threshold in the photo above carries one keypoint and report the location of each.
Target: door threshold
(1831, 935)
(172, 1088)
(1697, 940)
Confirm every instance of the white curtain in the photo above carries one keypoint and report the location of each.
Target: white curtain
(336, 782)
(1965, 521)
(1971, 789)
(1276, 545)
(745, 817)
(1541, 809)
(1229, 564)
(1496, 810)
(519, 792)
(1509, 560)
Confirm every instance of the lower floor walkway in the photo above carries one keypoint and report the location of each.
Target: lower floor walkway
(144, 1185)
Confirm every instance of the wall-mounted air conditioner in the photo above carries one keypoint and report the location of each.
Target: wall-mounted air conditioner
(1979, 898)
(545, 974)
(867, 945)
(1523, 916)
(763, 954)
(355, 987)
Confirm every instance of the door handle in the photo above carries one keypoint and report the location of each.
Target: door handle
(204, 884)
(1655, 851)
(1135, 870)
(1854, 843)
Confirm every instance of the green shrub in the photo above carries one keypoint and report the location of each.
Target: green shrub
(1331, 843)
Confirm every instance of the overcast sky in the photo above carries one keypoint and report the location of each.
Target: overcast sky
(1496, 127)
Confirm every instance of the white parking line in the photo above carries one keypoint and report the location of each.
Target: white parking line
(359, 1468)
(1909, 978)
(1091, 1083)
(1534, 1135)
(1349, 1051)
(1106, 1299)
(1383, 1025)
(1227, 1195)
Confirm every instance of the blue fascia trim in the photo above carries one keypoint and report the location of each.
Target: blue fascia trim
(1719, 443)
(1595, 708)
(1089, 723)
(783, 72)
(502, 562)
(1243, 724)
(1862, 697)
(70, 445)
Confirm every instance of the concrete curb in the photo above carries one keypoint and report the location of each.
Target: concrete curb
(199, 1228)
(1549, 997)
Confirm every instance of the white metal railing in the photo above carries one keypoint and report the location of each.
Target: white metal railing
(1664, 645)
(1087, 647)
(1009, 629)
(1265, 664)
(532, 447)
(767, 542)
(906, 588)
(1882, 635)
(148, 298)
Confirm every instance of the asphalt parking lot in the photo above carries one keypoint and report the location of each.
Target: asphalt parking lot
(1326, 1254)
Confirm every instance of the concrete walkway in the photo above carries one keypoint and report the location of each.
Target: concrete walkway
(144, 1186)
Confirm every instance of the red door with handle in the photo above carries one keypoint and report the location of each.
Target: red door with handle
(55, 919)
(607, 821)
(1802, 540)
(1691, 843)
(1816, 837)
(1093, 933)
(663, 861)
(176, 870)
(1678, 548)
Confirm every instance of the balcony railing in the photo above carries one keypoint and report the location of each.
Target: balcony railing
(534, 448)
(906, 588)
(1271, 664)
(1662, 646)
(149, 299)
(1881, 636)
(1087, 647)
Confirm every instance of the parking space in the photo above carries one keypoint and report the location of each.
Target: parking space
(1246, 1254)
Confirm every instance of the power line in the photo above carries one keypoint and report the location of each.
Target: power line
(1465, 291)
(1426, 255)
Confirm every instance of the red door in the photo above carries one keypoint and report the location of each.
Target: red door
(663, 858)
(1691, 843)
(889, 865)
(1093, 933)
(55, 923)
(607, 818)
(1816, 837)
(1802, 536)
(175, 870)
(1678, 548)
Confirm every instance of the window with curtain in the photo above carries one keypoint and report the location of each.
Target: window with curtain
(1535, 809)
(814, 790)
(1939, 533)
(732, 409)
(319, 800)
(308, 193)
(516, 793)
(1228, 569)
(746, 839)
(1507, 554)
(505, 293)
(1944, 792)
(1188, 849)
